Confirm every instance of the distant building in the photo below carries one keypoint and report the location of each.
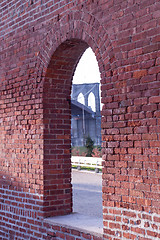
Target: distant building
(86, 115)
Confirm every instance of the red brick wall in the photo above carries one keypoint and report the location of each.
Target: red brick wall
(41, 43)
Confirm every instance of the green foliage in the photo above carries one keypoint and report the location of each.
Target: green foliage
(86, 168)
(89, 146)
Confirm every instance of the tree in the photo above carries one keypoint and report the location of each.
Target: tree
(89, 145)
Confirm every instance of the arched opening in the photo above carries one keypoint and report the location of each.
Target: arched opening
(86, 118)
(87, 185)
(57, 127)
(92, 102)
(80, 99)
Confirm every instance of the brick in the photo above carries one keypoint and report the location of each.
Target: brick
(37, 65)
(154, 70)
(140, 101)
(134, 150)
(141, 129)
(129, 236)
(114, 225)
(156, 219)
(149, 136)
(155, 99)
(153, 234)
(138, 230)
(140, 73)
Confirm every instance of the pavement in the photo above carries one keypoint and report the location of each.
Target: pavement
(87, 193)
(87, 204)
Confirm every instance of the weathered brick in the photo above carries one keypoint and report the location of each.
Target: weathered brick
(41, 43)
(140, 73)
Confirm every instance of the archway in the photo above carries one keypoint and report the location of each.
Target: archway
(57, 124)
(86, 122)
(80, 98)
(92, 102)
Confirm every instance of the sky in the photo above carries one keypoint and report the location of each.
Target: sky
(87, 70)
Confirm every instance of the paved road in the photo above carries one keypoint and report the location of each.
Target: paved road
(87, 193)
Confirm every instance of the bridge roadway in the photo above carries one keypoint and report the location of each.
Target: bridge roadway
(87, 193)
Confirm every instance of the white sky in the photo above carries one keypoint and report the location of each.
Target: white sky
(87, 70)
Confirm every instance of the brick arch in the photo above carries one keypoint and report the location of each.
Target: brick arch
(79, 25)
(68, 37)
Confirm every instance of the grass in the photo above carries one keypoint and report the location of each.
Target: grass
(86, 168)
